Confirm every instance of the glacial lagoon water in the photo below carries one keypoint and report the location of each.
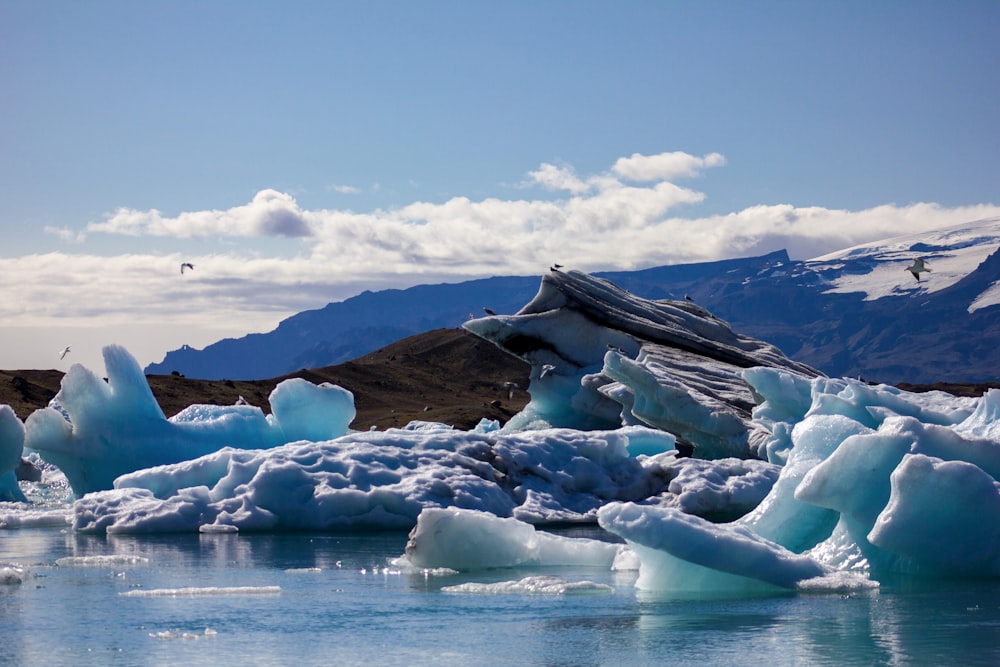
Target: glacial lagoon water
(333, 599)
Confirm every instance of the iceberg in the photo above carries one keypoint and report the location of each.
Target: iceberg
(614, 358)
(379, 480)
(464, 540)
(97, 430)
(720, 463)
(11, 446)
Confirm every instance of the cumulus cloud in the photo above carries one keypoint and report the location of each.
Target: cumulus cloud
(554, 177)
(271, 213)
(665, 166)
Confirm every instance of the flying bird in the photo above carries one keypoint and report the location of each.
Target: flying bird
(917, 268)
(488, 311)
(546, 369)
(511, 387)
(65, 351)
(186, 265)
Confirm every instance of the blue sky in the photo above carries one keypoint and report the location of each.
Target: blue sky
(298, 153)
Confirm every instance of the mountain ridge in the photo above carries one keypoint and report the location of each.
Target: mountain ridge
(853, 313)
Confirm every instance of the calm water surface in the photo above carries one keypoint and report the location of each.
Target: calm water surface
(338, 604)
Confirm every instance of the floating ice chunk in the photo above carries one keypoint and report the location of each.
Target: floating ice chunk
(11, 447)
(871, 405)
(138, 511)
(470, 540)
(102, 561)
(682, 552)
(12, 574)
(602, 357)
(305, 411)
(861, 478)
(28, 518)
(537, 585)
(384, 479)
(855, 479)
(984, 422)
(209, 591)
(117, 427)
(783, 518)
(487, 426)
(217, 529)
(11, 439)
(838, 582)
(942, 515)
(178, 634)
(786, 399)
(365, 480)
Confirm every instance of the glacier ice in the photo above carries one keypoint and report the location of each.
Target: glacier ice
(465, 540)
(722, 464)
(11, 446)
(617, 358)
(100, 430)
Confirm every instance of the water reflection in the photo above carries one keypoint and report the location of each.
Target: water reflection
(337, 591)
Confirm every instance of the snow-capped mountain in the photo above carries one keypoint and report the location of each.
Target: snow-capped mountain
(874, 269)
(856, 312)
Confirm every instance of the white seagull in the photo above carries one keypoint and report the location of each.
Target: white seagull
(917, 268)
(65, 351)
(546, 369)
(186, 265)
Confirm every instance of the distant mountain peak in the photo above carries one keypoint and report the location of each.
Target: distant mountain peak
(878, 269)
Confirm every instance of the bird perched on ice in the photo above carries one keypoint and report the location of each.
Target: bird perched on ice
(918, 267)
(62, 355)
(186, 265)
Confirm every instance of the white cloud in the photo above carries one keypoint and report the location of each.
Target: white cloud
(553, 177)
(665, 166)
(618, 219)
(344, 189)
(271, 213)
(65, 234)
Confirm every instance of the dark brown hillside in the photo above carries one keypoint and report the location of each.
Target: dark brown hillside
(445, 375)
